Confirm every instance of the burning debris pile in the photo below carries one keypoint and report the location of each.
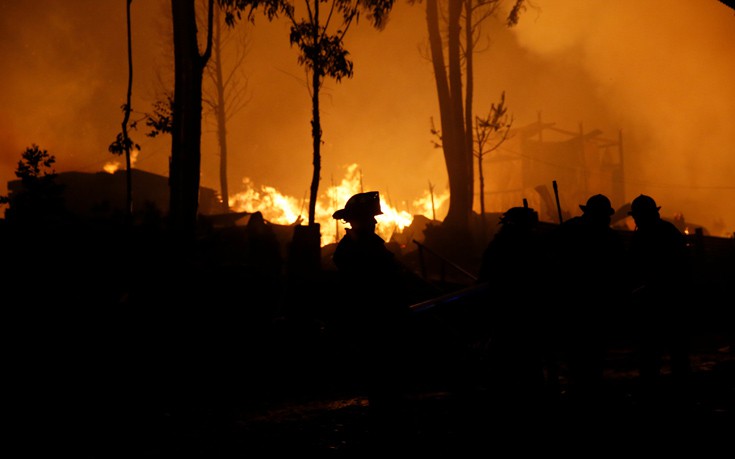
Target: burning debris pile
(286, 210)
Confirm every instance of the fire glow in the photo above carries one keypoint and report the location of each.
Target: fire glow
(287, 210)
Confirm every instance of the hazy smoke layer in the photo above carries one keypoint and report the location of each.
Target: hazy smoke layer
(659, 71)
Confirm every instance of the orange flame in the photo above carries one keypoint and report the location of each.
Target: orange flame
(112, 166)
(286, 210)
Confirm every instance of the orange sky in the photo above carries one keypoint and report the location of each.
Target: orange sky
(661, 71)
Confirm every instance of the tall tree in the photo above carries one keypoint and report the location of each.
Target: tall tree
(123, 143)
(225, 96)
(186, 126)
(321, 44)
(452, 59)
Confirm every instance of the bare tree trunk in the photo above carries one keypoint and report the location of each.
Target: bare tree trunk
(481, 178)
(451, 107)
(186, 128)
(316, 133)
(316, 125)
(468, 103)
(224, 95)
(440, 75)
(126, 118)
(220, 112)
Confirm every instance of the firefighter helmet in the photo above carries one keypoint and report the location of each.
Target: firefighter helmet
(360, 205)
(643, 205)
(598, 204)
(521, 216)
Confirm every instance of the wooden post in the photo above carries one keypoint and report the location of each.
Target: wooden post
(558, 206)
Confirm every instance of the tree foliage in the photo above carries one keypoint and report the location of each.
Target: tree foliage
(123, 143)
(39, 199)
(36, 166)
(159, 121)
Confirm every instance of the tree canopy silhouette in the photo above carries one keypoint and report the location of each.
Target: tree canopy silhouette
(40, 199)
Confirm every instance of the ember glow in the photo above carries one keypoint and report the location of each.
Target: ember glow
(287, 210)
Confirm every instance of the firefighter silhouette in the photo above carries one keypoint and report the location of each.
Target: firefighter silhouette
(375, 313)
(588, 259)
(661, 266)
(514, 361)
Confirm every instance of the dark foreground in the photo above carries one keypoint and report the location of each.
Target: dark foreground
(450, 424)
(157, 358)
(213, 406)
